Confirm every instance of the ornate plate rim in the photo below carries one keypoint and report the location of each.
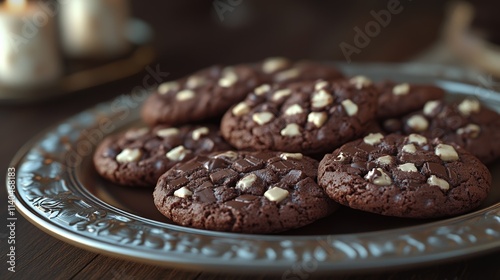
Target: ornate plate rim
(60, 206)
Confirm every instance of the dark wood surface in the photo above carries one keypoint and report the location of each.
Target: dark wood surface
(189, 36)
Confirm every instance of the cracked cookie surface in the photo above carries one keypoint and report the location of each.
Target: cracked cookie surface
(404, 176)
(139, 156)
(308, 117)
(248, 192)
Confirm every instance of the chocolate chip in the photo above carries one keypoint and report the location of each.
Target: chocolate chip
(246, 198)
(190, 166)
(293, 176)
(206, 195)
(436, 169)
(178, 182)
(263, 156)
(215, 163)
(235, 204)
(223, 175)
(365, 147)
(281, 166)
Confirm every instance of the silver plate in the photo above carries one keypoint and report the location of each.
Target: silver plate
(59, 191)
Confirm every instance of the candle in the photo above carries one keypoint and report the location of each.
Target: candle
(94, 28)
(28, 45)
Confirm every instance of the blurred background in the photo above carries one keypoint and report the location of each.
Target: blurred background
(59, 57)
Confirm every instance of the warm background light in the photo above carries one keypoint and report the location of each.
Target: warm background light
(16, 4)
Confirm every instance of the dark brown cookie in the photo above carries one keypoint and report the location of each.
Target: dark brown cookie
(205, 94)
(400, 99)
(139, 156)
(282, 70)
(467, 123)
(249, 192)
(404, 176)
(307, 117)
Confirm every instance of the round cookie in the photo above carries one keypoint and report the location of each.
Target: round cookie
(248, 192)
(396, 100)
(308, 117)
(139, 156)
(283, 71)
(404, 176)
(466, 123)
(206, 94)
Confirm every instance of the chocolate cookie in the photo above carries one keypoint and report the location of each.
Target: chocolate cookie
(466, 123)
(400, 99)
(307, 117)
(249, 192)
(284, 71)
(404, 176)
(139, 156)
(205, 94)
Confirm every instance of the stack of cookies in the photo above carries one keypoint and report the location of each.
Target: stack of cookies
(277, 145)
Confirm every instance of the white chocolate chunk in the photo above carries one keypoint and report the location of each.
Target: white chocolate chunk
(321, 99)
(274, 64)
(185, 95)
(195, 81)
(260, 90)
(228, 78)
(409, 148)
(340, 157)
(197, 133)
(472, 130)
(320, 85)
(373, 138)
(381, 179)
(293, 110)
(430, 107)
(360, 81)
(384, 160)
(281, 93)
(168, 86)
(290, 130)
(262, 117)
(167, 132)
(286, 156)
(178, 153)
(469, 106)
(240, 109)
(408, 167)
(229, 154)
(129, 155)
(417, 123)
(435, 181)
(350, 107)
(417, 139)
(276, 194)
(287, 75)
(446, 152)
(246, 182)
(317, 118)
(183, 192)
(401, 89)
(133, 134)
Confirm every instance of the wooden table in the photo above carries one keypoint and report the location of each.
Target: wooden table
(189, 37)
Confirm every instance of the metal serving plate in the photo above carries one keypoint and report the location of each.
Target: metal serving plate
(59, 191)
